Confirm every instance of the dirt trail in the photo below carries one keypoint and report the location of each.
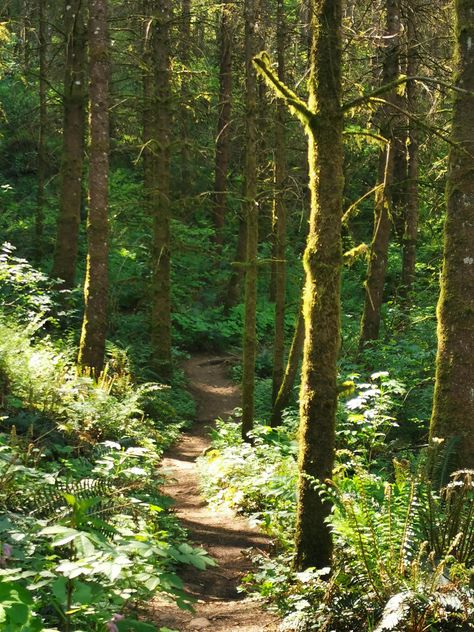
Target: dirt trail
(219, 607)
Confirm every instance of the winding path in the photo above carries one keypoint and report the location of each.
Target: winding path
(220, 607)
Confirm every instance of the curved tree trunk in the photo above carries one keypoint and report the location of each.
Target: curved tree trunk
(284, 393)
(375, 283)
(453, 407)
(94, 326)
(69, 217)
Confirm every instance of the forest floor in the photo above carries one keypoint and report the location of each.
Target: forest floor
(226, 537)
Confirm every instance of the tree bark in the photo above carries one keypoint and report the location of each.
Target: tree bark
(251, 217)
(321, 307)
(160, 194)
(185, 40)
(40, 195)
(70, 197)
(224, 122)
(453, 407)
(376, 273)
(94, 326)
(279, 214)
(411, 221)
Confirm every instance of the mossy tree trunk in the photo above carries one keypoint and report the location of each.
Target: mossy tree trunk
(43, 115)
(323, 121)
(160, 193)
(94, 326)
(453, 407)
(377, 269)
(70, 196)
(411, 220)
(251, 218)
(321, 306)
(279, 214)
(224, 122)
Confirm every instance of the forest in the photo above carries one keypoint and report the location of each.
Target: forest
(237, 315)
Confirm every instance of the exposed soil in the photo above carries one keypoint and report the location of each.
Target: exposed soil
(227, 537)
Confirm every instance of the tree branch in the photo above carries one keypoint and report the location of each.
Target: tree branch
(296, 105)
(398, 82)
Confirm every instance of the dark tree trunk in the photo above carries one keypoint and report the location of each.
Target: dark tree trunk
(70, 197)
(160, 194)
(251, 218)
(40, 196)
(279, 214)
(411, 221)
(185, 41)
(94, 326)
(453, 407)
(224, 122)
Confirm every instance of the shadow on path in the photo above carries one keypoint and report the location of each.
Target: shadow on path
(228, 538)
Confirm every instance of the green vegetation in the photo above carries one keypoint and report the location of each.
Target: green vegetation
(181, 215)
(85, 532)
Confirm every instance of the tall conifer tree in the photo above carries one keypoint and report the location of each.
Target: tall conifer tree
(94, 326)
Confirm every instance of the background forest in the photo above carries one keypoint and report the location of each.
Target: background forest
(155, 202)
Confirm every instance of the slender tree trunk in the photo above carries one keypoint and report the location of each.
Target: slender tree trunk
(185, 41)
(291, 371)
(234, 288)
(279, 214)
(149, 120)
(375, 283)
(70, 197)
(94, 326)
(453, 407)
(321, 308)
(160, 202)
(40, 196)
(411, 222)
(251, 217)
(224, 122)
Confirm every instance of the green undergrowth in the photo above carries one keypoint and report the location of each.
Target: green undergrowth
(86, 535)
(403, 545)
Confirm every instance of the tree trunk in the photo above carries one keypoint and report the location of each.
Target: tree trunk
(289, 378)
(279, 214)
(375, 283)
(251, 217)
(94, 326)
(234, 287)
(411, 222)
(40, 195)
(160, 195)
(149, 106)
(70, 197)
(185, 40)
(453, 408)
(321, 307)
(224, 122)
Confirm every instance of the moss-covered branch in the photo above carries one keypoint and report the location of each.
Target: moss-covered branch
(392, 85)
(297, 106)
